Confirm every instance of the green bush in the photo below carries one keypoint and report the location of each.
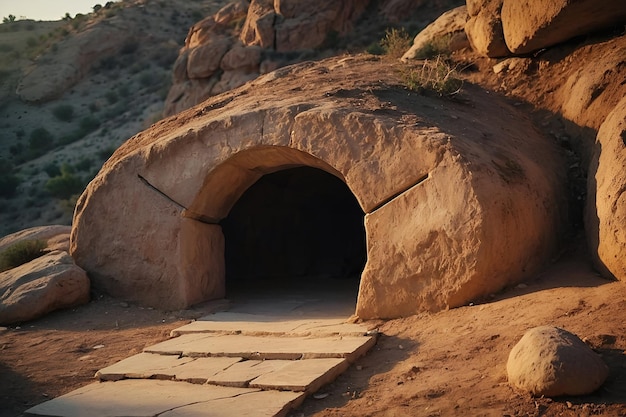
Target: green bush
(64, 112)
(65, 185)
(84, 164)
(436, 47)
(52, 169)
(41, 139)
(21, 253)
(433, 75)
(396, 42)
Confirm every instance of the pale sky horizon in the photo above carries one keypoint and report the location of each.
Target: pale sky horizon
(46, 9)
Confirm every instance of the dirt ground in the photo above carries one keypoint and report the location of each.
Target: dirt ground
(450, 363)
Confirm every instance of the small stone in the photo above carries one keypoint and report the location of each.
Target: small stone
(124, 304)
(359, 368)
(521, 286)
(321, 395)
(401, 347)
(569, 404)
(98, 347)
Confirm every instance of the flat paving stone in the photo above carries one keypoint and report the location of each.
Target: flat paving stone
(259, 325)
(148, 365)
(259, 347)
(254, 404)
(304, 375)
(241, 373)
(142, 398)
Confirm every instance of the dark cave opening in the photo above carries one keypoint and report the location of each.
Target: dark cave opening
(294, 229)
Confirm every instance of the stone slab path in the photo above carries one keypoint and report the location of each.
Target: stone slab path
(225, 364)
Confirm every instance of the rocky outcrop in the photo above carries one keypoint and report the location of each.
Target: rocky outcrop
(218, 57)
(551, 361)
(536, 24)
(45, 284)
(606, 203)
(503, 27)
(446, 33)
(484, 28)
(459, 200)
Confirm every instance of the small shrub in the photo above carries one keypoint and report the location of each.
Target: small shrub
(375, 49)
(66, 184)
(395, 43)
(31, 42)
(21, 253)
(433, 75)
(41, 139)
(84, 164)
(64, 112)
(52, 169)
(89, 124)
(436, 47)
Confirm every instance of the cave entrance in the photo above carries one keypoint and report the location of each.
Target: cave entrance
(298, 231)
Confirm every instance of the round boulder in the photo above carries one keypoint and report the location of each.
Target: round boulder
(551, 361)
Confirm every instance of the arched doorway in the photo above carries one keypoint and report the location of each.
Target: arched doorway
(296, 230)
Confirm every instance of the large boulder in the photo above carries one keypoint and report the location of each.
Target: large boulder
(606, 203)
(459, 200)
(532, 25)
(551, 361)
(448, 31)
(40, 286)
(484, 28)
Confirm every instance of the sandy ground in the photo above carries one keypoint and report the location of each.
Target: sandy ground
(445, 364)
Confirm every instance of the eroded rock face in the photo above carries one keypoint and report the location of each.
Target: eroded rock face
(532, 25)
(40, 286)
(449, 26)
(551, 361)
(222, 58)
(484, 28)
(455, 207)
(55, 235)
(606, 203)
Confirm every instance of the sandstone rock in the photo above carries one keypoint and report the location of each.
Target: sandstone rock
(54, 234)
(233, 79)
(450, 25)
(202, 32)
(454, 210)
(242, 57)
(232, 12)
(179, 72)
(306, 32)
(484, 30)
(43, 285)
(551, 361)
(475, 6)
(259, 26)
(606, 201)
(536, 24)
(186, 94)
(205, 59)
(589, 94)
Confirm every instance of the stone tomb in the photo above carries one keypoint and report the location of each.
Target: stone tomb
(453, 199)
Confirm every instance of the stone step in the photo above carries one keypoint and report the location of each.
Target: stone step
(259, 347)
(262, 325)
(141, 398)
(301, 375)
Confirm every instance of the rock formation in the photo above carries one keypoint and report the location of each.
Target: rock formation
(448, 29)
(509, 27)
(606, 204)
(460, 200)
(551, 361)
(45, 284)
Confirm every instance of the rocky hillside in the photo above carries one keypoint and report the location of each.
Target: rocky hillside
(72, 91)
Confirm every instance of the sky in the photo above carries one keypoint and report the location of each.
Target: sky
(46, 9)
